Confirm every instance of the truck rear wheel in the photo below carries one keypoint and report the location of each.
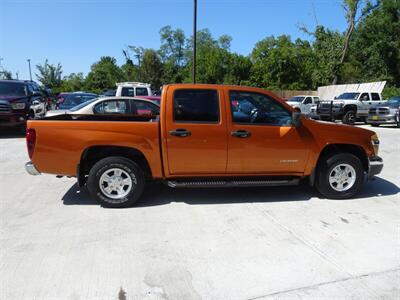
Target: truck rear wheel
(341, 176)
(116, 182)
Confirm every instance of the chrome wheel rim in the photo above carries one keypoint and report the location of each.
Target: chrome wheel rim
(116, 183)
(342, 177)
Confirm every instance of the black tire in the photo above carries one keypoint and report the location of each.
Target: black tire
(326, 119)
(325, 169)
(115, 162)
(349, 117)
(31, 115)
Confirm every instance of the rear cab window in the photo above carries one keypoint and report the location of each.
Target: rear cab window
(196, 106)
(128, 92)
(140, 91)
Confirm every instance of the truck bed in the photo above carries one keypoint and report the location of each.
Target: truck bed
(61, 140)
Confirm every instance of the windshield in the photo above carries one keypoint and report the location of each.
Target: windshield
(348, 96)
(296, 99)
(73, 100)
(78, 107)
(13, 89)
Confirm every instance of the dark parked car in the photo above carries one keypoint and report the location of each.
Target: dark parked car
(385, 113)
(74, 99)
(20, 100)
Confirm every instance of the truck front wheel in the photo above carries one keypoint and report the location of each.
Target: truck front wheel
(349, 117)
(116, 182)
(340, 176)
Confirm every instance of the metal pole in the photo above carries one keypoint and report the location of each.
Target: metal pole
(30, 72)
(194, 39)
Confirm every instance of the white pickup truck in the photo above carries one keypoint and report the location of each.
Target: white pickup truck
(303, 103)
(133, 89)
(348, 107)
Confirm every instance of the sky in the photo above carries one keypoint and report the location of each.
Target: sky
(76, 33)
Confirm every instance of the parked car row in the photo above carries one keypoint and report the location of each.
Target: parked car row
(350, 107)
(22, 100)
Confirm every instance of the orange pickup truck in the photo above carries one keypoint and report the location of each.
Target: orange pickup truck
(205, 136)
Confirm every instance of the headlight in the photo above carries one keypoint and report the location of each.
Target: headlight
(18, 105)
(338, 104)
(375, 143)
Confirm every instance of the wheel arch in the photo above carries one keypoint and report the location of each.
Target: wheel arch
(348, 107)
(332, 149)
(93, 154)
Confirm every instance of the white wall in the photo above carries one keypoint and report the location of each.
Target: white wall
(330, 91)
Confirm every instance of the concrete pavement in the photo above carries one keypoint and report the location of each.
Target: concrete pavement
(264, 243)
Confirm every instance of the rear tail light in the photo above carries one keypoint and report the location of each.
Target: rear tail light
(30, 141)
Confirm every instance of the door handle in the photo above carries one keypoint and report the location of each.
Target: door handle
(180, 132)
(241, 134)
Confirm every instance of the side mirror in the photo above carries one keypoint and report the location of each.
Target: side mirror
(296, 118)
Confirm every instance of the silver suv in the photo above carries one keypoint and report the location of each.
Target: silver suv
(385, 113)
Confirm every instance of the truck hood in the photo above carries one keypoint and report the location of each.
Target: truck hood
(293, 103)
(57, 112)
(9, 98)
(383, 105)
(337, 129)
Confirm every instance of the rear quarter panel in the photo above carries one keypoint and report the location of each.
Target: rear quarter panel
(60, 144)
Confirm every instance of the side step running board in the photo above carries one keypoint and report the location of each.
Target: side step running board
(231, 183)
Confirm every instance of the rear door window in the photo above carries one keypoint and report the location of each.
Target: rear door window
(197, 106)
(112, 107)
(375, 96)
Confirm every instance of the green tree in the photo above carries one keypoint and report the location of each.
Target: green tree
(7, 75)
(151, 68)
(278, 63)
(73, 82)
(104, 74)
(49, 75)
(376, 44)
(327, 48)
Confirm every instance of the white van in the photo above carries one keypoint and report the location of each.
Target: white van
(133, 89)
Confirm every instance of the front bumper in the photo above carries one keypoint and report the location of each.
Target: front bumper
(12, 119)
(328, 112)
(375, 165)
(31, 169)
(382, 119)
